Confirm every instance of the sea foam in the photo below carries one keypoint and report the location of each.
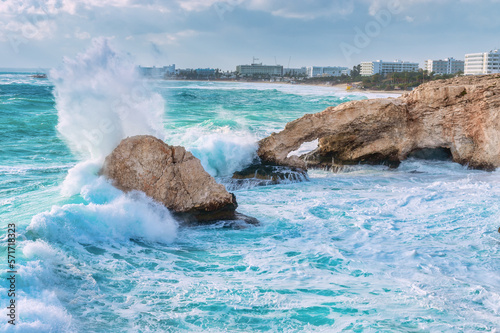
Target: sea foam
(100, 100)
(223, 151)
(373, 249)
(108, 216)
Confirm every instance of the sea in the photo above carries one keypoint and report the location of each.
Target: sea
(365, 249)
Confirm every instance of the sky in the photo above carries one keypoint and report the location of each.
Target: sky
(225, 33)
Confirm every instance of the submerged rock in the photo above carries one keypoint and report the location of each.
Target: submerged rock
(259, 174)
(172, 176)
(457, 118)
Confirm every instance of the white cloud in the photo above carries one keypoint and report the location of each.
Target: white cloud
(173, 27)
(171, 38)
(303, 9)
(54, 7)
(282, 8)
(403, 5)
(82, 34)
(40, 19)
(72, 6)
(200, 5)
(25, 29)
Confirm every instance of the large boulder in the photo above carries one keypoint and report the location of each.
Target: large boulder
(172, 176)
(459, 116)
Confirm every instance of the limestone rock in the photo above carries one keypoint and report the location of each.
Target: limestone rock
(459, 115)
(172, 176)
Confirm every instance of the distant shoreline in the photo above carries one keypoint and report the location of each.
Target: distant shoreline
(339, 86)
(343, 87)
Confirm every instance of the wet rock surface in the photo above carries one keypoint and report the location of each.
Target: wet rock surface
(172, 176)
(259, 174)
(459, 117)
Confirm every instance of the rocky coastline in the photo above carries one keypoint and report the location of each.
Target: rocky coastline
(458, 118)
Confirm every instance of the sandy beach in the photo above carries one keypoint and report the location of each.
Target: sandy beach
(340, 86)
(343, 86)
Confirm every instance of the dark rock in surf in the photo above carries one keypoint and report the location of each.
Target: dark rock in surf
(172, 176)
(260, 174)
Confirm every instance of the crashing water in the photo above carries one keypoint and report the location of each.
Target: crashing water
(100, 101)
(369, 249)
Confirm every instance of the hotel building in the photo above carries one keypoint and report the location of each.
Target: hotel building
(314, 71)
(302, 71)
(259, 69)
(445, 66)
(482, 63)
(157, 72)
(385, 67)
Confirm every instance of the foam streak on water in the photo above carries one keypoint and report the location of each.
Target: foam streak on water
(369, 249)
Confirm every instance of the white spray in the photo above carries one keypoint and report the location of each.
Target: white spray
(100, 101)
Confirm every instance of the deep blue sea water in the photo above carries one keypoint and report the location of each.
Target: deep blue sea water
(370, 249)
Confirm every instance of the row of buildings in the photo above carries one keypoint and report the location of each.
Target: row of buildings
(157, 72)
(278, 70)
(445, 66)
(167, 71)
(245, 71)
(474, 64)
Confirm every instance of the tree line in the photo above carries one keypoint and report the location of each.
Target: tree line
(390, 81)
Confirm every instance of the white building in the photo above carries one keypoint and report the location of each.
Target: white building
(482, 63)
(259, 69)
(314, 71)
(157, 72)
(385, 67)
(445, 66)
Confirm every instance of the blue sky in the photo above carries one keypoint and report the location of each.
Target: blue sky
(225, 33)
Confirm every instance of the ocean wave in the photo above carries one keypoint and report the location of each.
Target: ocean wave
(220, 149)
(108, 216)
(23, 169)
(22, 79)
(41, 312)
(221, 154)
(298, 89)
(369, 248)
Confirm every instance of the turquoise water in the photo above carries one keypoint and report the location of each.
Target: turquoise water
(367, 250)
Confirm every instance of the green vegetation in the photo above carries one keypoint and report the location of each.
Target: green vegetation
(391, 81)
(401, 81)
(193, 74)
